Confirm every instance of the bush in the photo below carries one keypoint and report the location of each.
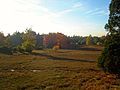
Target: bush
(110, 59)
(19, 49)
(39, 48)
(56, 47)
(27, 46)
(5, 50)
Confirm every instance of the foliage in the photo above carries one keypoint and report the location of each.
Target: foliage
(2, 38)
(39, 42)
(89, 40)
(56, 47)
(76, 40)
(14, 40)
(110, 58)
(113, 25)
(29, 40)
(53, 39)
(5, 50)
(27, 46)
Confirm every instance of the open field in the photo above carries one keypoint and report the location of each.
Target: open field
(55, 70)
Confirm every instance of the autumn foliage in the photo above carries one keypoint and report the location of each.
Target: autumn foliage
(29, 40)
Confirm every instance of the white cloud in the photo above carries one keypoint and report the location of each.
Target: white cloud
(71, 9)
(92, 11)
(77, 5)
(101, 12)
(97, 11)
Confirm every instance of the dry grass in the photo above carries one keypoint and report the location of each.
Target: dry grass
(55, 70)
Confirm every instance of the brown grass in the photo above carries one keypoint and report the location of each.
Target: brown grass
(55, 70)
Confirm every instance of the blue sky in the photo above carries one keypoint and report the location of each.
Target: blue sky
(71, 17)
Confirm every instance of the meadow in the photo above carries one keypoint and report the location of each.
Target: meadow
(55, 70)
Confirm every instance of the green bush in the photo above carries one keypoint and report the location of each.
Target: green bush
(5, 50)
(39, 48)
(27, 46)
(19, 49)
(110, 59)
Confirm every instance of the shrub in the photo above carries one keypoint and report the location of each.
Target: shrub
(56, 47)
(27, 46)
(5, 50)
(19, 49)
(40, 48)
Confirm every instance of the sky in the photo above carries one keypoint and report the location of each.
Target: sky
(71, 17)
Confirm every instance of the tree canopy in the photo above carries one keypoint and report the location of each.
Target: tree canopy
(110, 58)
(113, 25)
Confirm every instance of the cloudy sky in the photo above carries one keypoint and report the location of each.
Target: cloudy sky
(71, 17)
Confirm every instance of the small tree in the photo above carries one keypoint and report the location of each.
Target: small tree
(29, 41)
(89, 40)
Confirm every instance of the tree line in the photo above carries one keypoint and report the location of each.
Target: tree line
(28, 40)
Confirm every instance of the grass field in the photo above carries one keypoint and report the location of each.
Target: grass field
(55, 70)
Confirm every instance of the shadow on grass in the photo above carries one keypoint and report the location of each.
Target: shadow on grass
(90, 49)
(61, 58)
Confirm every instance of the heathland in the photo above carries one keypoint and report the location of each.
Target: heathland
(55, 70)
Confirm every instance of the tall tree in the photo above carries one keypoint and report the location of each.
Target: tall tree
(15, 39)
(3, 47)
(2, 39)
(110, 58)
(29, 40)
(113, 25)
(39, 41)
(89, 40)
(76, 40)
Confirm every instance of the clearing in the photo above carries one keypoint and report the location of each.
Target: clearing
(55, 70)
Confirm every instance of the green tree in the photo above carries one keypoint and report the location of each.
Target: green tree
(2, 39)
(89, 40)
(7, 41)
(110, 58)
(76, 40)
(39, 41)
(29, 40)
(96, 40)
(15, 39)
(113, 25)
(3, 48)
